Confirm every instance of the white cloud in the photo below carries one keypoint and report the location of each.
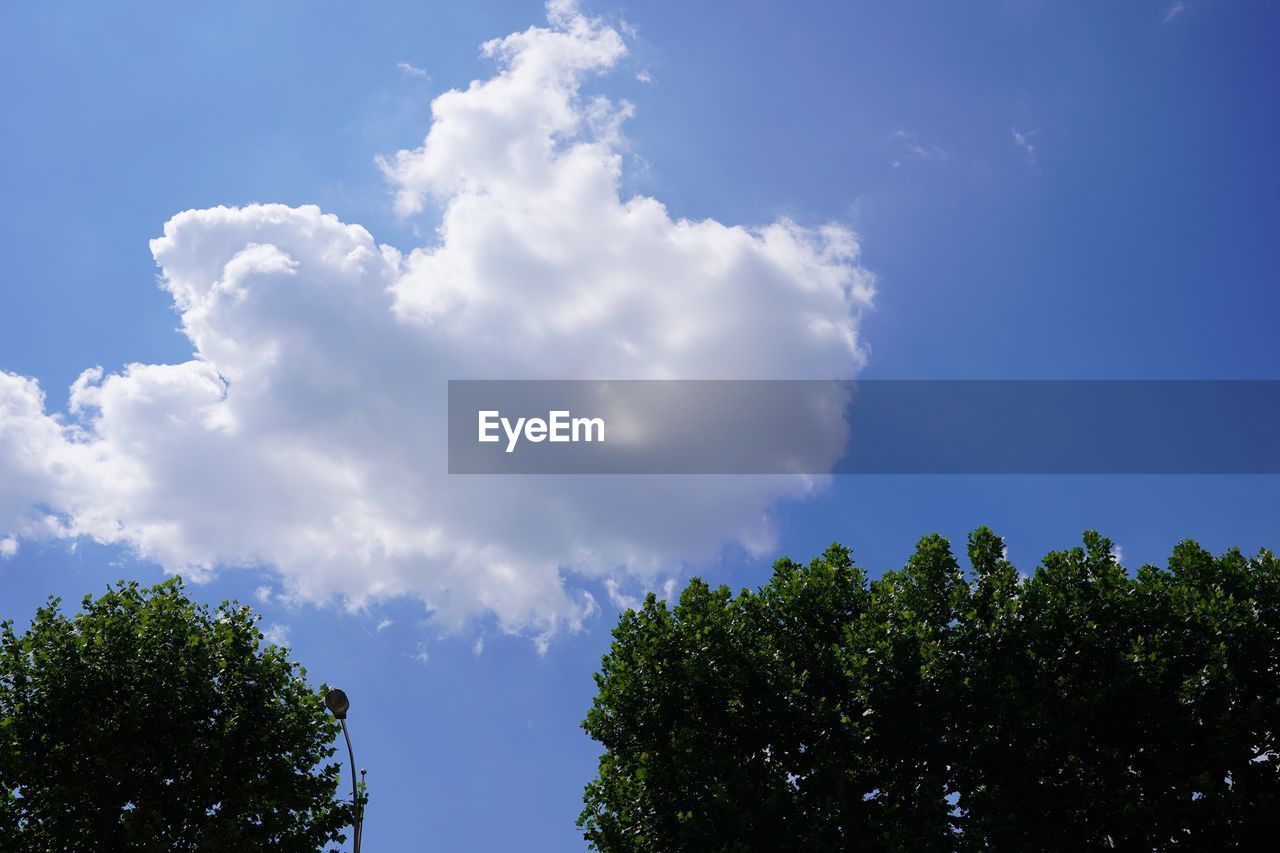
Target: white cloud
(1174, 11)
(421, 655)
(307, 435)
(409, 70)
(8, 547)
(384, 625)
(1023, 140)
(1117, 553)
(618, 598)
(910, 148)
(276, 635)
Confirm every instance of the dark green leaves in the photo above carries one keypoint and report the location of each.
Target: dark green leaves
(943, 709)
(147, 722)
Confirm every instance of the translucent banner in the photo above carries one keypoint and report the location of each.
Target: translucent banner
(864, 427)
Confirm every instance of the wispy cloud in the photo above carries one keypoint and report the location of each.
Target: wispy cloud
(1023, 140)
(910, 148)
(1175, 10)
(277, 635)
(618, 598)
(8, 547)
(412, 71)
(669, 591)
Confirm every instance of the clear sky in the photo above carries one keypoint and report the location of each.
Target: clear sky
(1012, 189)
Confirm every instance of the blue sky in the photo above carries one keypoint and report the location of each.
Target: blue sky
(1065, 190)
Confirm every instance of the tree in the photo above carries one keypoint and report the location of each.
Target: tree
(938, 708)
(148, 722)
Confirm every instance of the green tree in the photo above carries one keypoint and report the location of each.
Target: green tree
(939, 708)
(149, 722)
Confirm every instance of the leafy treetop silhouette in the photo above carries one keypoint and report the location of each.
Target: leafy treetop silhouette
(149, 722)
(936, 708)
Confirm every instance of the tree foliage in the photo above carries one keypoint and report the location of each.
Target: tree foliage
(938, 708)
(148, 722)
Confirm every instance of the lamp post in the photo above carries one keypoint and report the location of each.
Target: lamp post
(339, 704)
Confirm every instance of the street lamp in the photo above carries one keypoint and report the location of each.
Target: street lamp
(339, 704)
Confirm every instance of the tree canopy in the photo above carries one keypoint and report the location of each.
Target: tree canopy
(149, 722)
(939, 708)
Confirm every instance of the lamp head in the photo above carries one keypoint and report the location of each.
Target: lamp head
(337, 702)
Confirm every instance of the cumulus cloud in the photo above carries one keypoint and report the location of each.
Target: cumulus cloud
(306, 435)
